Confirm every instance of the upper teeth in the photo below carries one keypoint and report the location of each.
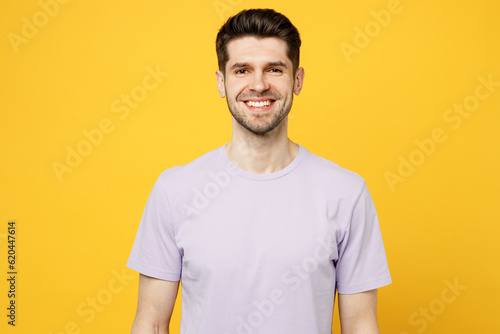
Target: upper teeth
(258, 104)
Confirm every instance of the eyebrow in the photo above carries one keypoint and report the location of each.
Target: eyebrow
(271, 63)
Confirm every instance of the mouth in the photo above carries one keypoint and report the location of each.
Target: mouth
(261, 105)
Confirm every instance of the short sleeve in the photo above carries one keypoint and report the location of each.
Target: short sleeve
(154, 252)
(362, 262)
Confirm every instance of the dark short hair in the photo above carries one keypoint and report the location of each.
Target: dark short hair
(258, 23)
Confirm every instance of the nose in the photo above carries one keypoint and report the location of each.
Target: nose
(258, 82)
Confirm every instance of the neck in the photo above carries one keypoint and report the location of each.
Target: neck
(261, 154)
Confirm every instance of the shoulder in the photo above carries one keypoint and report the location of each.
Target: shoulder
(182, 184)
(333, 176)
(188, 173)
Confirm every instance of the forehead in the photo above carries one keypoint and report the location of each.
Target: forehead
(254, 50)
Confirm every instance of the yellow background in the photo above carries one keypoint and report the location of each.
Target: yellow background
(364, 111)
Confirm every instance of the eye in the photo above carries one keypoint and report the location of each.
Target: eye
(276, 70)
(241, 71)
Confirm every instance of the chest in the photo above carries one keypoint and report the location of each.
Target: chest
(264, 233)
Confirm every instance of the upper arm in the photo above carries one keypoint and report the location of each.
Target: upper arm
(155, 305)
(358, 312)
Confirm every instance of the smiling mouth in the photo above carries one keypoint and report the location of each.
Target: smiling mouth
(259, 104)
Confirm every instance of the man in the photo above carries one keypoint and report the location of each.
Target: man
(260, 231)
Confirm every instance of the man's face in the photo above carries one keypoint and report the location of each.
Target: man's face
(259, 83)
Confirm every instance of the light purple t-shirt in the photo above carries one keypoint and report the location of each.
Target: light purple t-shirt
(260, 253)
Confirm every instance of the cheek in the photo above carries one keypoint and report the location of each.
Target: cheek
(232, 91)
(284, 86)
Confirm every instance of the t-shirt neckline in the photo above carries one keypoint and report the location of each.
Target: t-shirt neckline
(235, 170)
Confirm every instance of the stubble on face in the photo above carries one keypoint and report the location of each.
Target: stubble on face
(260, 124)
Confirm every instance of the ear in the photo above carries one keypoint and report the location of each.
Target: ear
(220, 83)
(298, 81)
